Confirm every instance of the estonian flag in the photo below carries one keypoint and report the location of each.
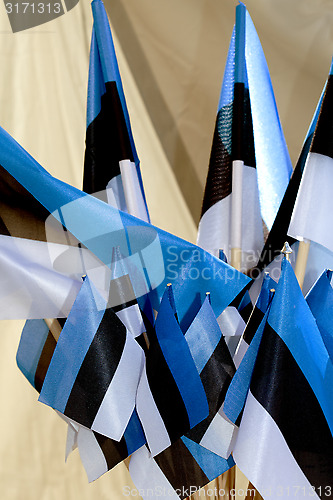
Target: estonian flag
(95, 368)
(171, 398)
(311, 218)
(111, 166)
(284, 443)
(249, 160)
(177, 472)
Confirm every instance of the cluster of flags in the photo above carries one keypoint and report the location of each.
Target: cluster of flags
(152, 348)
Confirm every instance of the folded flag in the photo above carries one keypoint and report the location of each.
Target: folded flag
(98, 453)
(111, 165)
(216, 368)
(248, 152)
(95, 363)
(288, 414)
(278, 234)
(320, 301)
(177, 472)
(170, 398)
(313, 206)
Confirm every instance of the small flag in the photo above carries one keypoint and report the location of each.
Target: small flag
(248, 138)
(111, 163)
(313, 206)
(288, 414)
(178, 472)
(95, 363)
(170, 398)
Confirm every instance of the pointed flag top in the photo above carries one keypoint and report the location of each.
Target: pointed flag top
(286, 250)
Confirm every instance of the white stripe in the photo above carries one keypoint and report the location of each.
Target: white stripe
(312, 214)
(133, 195)
(262, 454)
(252, 228)
(220, 435)
(151, 420)
(240, 352)
(236, 204)
(231, 322)
(29, 286)
(71, 441)
(213, 231)
(148, 477)
(91, 455)
(132, 319)
(119, 401)
(214, 226)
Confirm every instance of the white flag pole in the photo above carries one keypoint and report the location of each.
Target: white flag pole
(236, 214)
(301, 260)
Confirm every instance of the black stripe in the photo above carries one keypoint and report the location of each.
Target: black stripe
(253, 325)
(216, 377)
(282, 389)
(323, 137)
(125, 305)
(121, 293)
(218, 182)
(45, 357)
(242, 127)
(113, 451)
(97, 370)
(107, 143)
(180, 468)
(44, 361)
(165, 391)
(278, 234)
(22, 216)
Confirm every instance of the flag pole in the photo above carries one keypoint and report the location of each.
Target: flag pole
(301, 261)
(54, 327)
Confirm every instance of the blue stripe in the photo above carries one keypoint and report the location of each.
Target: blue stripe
(109, 60)
(227, 89)
(133, 434)
(240, 383)
(320, 301)
(240, 66)
(180, 362)
(72, 346)
(203, 335)
(190, 269)
(33, 337)
(291, 318)
(265, 295)
(274, 167)
(211, 464)
(96, 84)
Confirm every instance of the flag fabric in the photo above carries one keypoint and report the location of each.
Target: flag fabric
(313, 206)
(278, 234)
(288, 414)
(111, 162)
(177, 472)
(239, 137)
(159, 257)
(320, 301)
(33, 285)
(216, 368)
(170, 398)
(256, 317)
(96, 363)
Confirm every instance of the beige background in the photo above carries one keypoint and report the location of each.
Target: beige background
(171, 55)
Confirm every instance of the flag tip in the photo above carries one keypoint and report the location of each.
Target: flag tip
(286, 250)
